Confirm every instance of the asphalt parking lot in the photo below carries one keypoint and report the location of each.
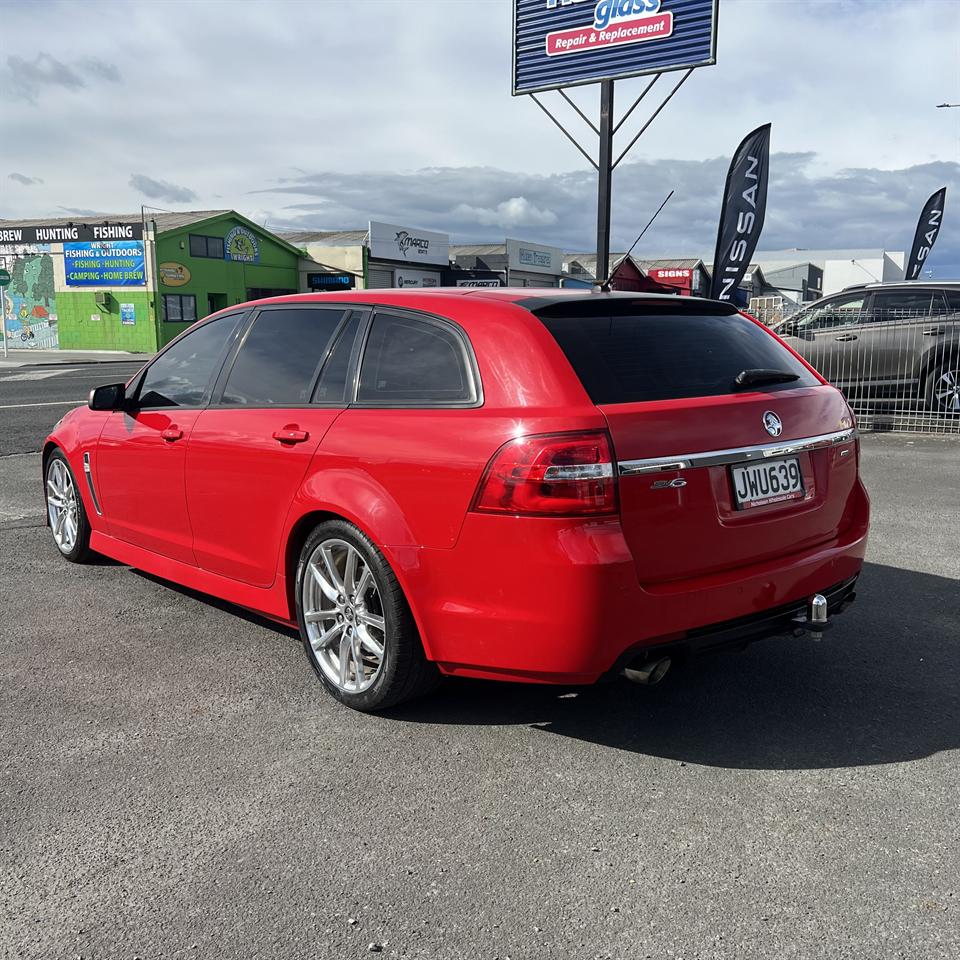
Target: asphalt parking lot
(175, 784)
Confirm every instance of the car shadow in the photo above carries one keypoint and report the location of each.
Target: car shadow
(881, 687)
(242, 612)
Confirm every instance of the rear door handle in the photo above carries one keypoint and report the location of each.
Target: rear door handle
(290, 436)
(846, 337)
(172, 433)
(934, 332)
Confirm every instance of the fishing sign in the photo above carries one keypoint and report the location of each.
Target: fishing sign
(561, 43)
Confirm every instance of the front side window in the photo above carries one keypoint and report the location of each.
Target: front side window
(180, 376)
(280, 356)
(407, 360)
(835, 313)
(179, 307)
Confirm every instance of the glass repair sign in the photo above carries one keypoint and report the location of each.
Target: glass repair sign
(561, 43)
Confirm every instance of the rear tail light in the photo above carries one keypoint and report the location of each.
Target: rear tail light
(568, 474)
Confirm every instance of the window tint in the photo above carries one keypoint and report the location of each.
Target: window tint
(279, 357)
(899, 305)
(179, 308)
(835, 313)
(333, 380)
(953, 299)
(180, 376)
(211, 247)
(665, 356)
(413, 361)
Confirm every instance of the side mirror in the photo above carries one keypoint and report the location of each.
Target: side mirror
(110, 397)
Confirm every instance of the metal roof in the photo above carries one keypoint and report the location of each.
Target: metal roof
(686, 264)
(165, 221)
(326, 238)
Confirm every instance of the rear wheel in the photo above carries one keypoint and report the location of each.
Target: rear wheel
(65, 513)
(943, 387)
(356, 626)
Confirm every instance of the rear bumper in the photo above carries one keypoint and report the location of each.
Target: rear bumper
(558, 601)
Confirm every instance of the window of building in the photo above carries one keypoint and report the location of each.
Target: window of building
(414, 361)
(211, 247)
(179, 307)
(280, 356)
(181, 375)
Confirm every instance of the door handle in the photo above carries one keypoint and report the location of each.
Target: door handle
(172, 433)
(934, 332)
(286, 435)
(846, 337)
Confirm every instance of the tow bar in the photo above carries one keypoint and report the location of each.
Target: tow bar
(815, 621)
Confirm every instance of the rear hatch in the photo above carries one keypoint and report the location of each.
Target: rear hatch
(711, 477)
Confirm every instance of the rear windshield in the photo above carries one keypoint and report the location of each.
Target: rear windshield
(668, 355)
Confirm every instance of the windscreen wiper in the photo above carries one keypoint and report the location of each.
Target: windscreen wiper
(753, 377)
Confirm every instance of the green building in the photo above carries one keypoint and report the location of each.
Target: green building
(133, 282)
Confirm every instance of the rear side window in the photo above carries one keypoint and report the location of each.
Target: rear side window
(407, 360)
(667, 356)
(953, 299)
(280, 357)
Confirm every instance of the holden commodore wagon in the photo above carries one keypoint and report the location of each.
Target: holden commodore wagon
(541, 486)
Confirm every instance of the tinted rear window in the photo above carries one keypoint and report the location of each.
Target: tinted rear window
(666, 356)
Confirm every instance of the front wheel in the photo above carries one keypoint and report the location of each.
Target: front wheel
(65, 513)
(356, 626)
(943, 387)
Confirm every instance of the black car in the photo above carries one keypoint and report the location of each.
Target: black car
(886, 342)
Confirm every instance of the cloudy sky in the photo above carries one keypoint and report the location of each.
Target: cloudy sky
(328, 113)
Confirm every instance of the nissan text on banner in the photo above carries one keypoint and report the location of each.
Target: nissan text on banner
(561, 43)
(741, 216)
(926, 236)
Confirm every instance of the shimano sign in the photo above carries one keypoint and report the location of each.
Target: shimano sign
(560, 43)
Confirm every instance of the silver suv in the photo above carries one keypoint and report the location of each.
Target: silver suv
(886, 342)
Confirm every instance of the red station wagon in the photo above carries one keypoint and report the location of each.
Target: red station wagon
(546, 486)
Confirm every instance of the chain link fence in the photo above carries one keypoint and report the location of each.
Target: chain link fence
(899, 368)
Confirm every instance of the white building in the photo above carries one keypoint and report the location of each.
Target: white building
(841, 268)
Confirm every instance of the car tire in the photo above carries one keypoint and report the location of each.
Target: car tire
(66, 515)
(355, 623)
(942, 387)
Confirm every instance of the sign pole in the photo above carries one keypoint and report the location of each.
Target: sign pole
(3, 315)
(605, 178)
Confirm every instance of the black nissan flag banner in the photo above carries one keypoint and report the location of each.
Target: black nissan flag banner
(926, 236)
(741, 217)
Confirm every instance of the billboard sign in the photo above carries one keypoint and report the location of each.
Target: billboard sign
(110, 263)
(69, 232)
(561, 43)
(534, 258)
(415, 278)
(391, 242)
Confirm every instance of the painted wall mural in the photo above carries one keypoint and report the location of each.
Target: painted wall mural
(30, 301)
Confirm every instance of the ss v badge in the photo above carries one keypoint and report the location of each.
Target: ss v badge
(666, 484)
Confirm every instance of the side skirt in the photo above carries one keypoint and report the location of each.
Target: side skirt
(270, 602)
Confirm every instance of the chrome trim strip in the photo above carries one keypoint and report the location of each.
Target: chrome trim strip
(716, 458)
(93, 492)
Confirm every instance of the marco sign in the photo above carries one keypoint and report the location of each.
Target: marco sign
(560, 43)
(388, 241)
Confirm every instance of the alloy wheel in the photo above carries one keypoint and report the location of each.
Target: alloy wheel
(343, 613)
(946, 391)
(62, 509)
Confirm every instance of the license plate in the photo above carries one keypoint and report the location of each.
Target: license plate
(756, 484)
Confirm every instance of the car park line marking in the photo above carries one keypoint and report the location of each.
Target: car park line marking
(46, 403)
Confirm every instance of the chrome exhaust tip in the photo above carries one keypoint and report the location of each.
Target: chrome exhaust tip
(650, 673)
(818, 608)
